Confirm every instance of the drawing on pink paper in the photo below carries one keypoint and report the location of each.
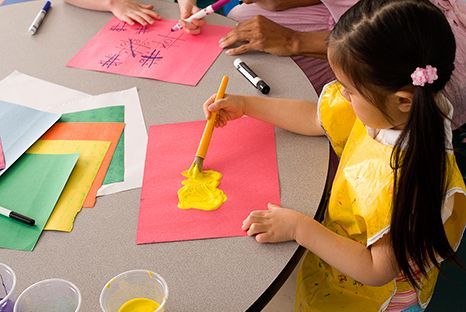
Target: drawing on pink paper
(152, 51)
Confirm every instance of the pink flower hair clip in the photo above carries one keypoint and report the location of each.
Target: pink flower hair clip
(422, 75)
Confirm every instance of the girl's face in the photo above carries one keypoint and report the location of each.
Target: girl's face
(367, 112)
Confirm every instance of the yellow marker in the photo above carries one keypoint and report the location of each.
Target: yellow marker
(209, 128)
(200, 190)
(139, 305)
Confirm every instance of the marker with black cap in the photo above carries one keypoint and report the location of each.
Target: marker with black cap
(16, 216)
(251, 76)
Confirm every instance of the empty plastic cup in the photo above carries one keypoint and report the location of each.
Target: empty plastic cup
(7, 286)
(52, 295)
(136, 290)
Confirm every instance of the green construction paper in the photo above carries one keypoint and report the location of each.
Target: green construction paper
(32, 187)
(116, 170)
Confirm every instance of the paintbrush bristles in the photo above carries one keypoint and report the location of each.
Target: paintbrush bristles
(196, 167)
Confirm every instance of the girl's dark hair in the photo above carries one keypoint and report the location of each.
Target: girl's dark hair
(378, 44)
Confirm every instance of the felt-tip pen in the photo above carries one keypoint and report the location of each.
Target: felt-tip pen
(39, 18)
(17, 216)
(251, 76)
(202, 13)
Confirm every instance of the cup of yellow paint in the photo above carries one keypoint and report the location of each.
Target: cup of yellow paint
(51, 295)
(134, 291)
(7, 286)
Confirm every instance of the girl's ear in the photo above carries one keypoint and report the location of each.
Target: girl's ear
(404, 100)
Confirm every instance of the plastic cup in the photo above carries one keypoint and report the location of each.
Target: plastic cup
(51, 295)
(7, 286)
(131, 285)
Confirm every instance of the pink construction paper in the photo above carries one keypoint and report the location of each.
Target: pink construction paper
(152, 51)
(2, 158)
(244, 152)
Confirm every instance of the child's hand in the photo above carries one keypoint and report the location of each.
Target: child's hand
(273, 225)
(130, 11)
(231, 107)
(188, 8)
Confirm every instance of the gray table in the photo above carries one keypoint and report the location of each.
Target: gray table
(228, 274)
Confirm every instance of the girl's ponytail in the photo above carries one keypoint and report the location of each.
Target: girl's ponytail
(419, 161)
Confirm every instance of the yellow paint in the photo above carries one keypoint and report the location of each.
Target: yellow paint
(200, 190)
(139, 305)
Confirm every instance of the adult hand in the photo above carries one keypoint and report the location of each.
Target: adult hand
(229, 108)
(260, 34)
(130, 11)
(188, 8)
(273, 225)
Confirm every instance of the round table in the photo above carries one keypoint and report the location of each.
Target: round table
(227, 274)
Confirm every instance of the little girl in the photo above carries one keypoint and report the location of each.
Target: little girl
(398, 201)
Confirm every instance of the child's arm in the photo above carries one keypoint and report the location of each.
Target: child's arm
(374, 265)
(188, 8)
(298, 116)
(128, 11)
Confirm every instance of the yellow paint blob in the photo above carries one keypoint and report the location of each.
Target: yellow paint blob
(200, 190)
(139, 305)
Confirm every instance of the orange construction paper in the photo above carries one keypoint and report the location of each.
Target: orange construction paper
(89, 131)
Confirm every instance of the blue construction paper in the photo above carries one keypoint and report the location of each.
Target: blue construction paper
(20, 127)
(7, 2)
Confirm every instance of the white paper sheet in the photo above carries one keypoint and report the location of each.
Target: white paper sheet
(36, 93)
(135, 134)
(44, 95)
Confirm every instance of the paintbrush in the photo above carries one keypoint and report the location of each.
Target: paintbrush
(207, 134)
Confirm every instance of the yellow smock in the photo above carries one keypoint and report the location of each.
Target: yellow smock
(360, 208)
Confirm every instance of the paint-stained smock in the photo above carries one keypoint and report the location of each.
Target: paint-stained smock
(360, 208)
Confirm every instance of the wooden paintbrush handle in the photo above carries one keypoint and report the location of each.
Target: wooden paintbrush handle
(209, 127)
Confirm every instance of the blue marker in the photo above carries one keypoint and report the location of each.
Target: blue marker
(39, 18)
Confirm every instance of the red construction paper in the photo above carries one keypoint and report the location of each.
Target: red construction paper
(152, 51)
(244, 152)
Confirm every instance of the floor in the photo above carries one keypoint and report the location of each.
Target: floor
(284, 300)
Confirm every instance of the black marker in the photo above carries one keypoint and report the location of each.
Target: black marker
(17, 216)
(251, 76)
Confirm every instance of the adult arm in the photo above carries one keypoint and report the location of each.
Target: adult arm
(280, 5)
(261, 34)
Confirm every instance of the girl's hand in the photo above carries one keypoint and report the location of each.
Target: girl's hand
(188, 8)
(273, 225)
(231, 107)
(130, 11)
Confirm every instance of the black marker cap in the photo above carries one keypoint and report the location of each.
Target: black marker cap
(20, 217)
(263, 87)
